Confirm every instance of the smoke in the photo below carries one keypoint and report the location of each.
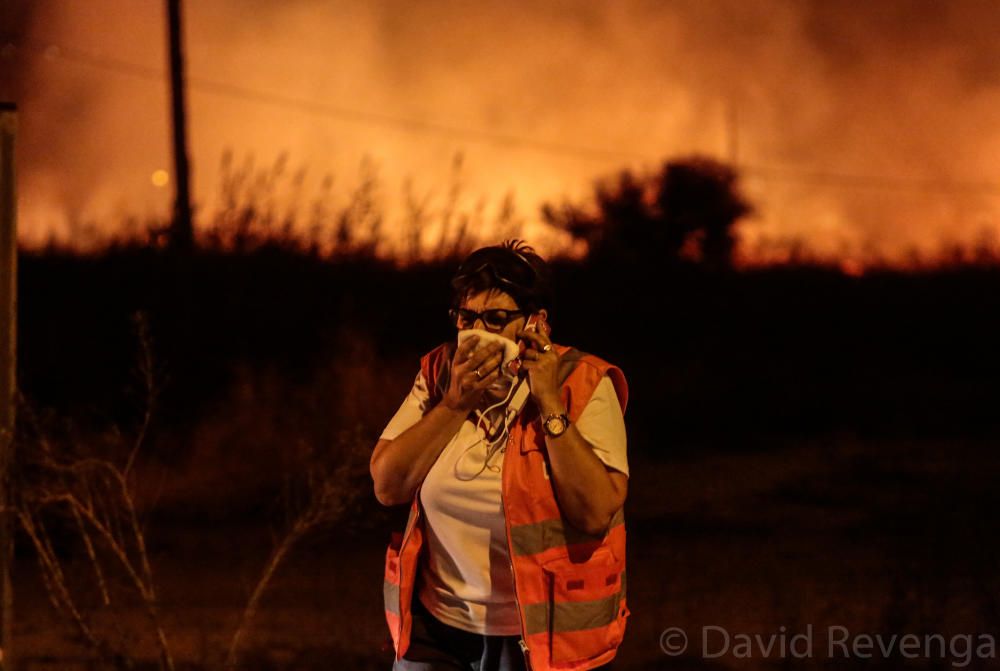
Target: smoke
(815, 99)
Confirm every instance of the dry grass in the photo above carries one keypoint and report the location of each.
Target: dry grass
(76, 504)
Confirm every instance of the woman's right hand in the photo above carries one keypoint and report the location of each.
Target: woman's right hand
(465, 389)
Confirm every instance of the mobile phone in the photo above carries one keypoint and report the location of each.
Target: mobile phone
(536, 322)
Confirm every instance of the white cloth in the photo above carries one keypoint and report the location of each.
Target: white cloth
(467, 580)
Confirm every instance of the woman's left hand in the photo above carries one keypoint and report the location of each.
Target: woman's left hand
(542, 367)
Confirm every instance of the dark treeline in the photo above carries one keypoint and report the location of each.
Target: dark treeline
(710, 356)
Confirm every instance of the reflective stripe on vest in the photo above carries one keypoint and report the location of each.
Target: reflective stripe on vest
(390, 595)
(575, 615)
(530, 539)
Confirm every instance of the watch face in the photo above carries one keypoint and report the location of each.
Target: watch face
(555, 425)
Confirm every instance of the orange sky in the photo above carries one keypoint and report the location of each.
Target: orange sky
(811, 97)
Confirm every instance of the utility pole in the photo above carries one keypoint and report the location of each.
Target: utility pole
(8, 359)
(181, 230)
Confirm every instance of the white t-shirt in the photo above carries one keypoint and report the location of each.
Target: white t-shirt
(467, 579)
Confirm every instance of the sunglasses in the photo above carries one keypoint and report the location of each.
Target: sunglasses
(494, 319)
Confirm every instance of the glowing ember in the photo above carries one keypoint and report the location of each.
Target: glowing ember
(852, 268)
(160, 178)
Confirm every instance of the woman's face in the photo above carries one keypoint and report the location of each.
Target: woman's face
(495, 299)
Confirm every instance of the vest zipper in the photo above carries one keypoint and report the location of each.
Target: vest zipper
(517, 602)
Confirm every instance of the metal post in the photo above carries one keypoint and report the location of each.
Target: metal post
(8, 359)
(182, 230)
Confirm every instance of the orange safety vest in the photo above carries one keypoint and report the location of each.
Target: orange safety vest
(569, 585)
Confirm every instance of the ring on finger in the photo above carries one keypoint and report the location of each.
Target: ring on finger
(547, 347)
(478, 374)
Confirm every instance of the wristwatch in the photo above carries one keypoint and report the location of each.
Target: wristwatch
(555, 424)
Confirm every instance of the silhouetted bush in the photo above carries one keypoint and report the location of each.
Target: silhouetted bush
(686, 210)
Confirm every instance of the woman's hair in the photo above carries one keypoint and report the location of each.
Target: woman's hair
(512, 267)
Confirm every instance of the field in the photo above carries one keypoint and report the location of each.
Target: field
(872, 537)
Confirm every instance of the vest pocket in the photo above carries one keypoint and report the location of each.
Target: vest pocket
(583, 610)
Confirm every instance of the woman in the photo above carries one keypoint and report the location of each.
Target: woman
(512, 559)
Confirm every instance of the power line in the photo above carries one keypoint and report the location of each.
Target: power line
(325, 109)
(819, 178)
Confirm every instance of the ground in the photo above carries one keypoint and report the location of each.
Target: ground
(873, 536)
